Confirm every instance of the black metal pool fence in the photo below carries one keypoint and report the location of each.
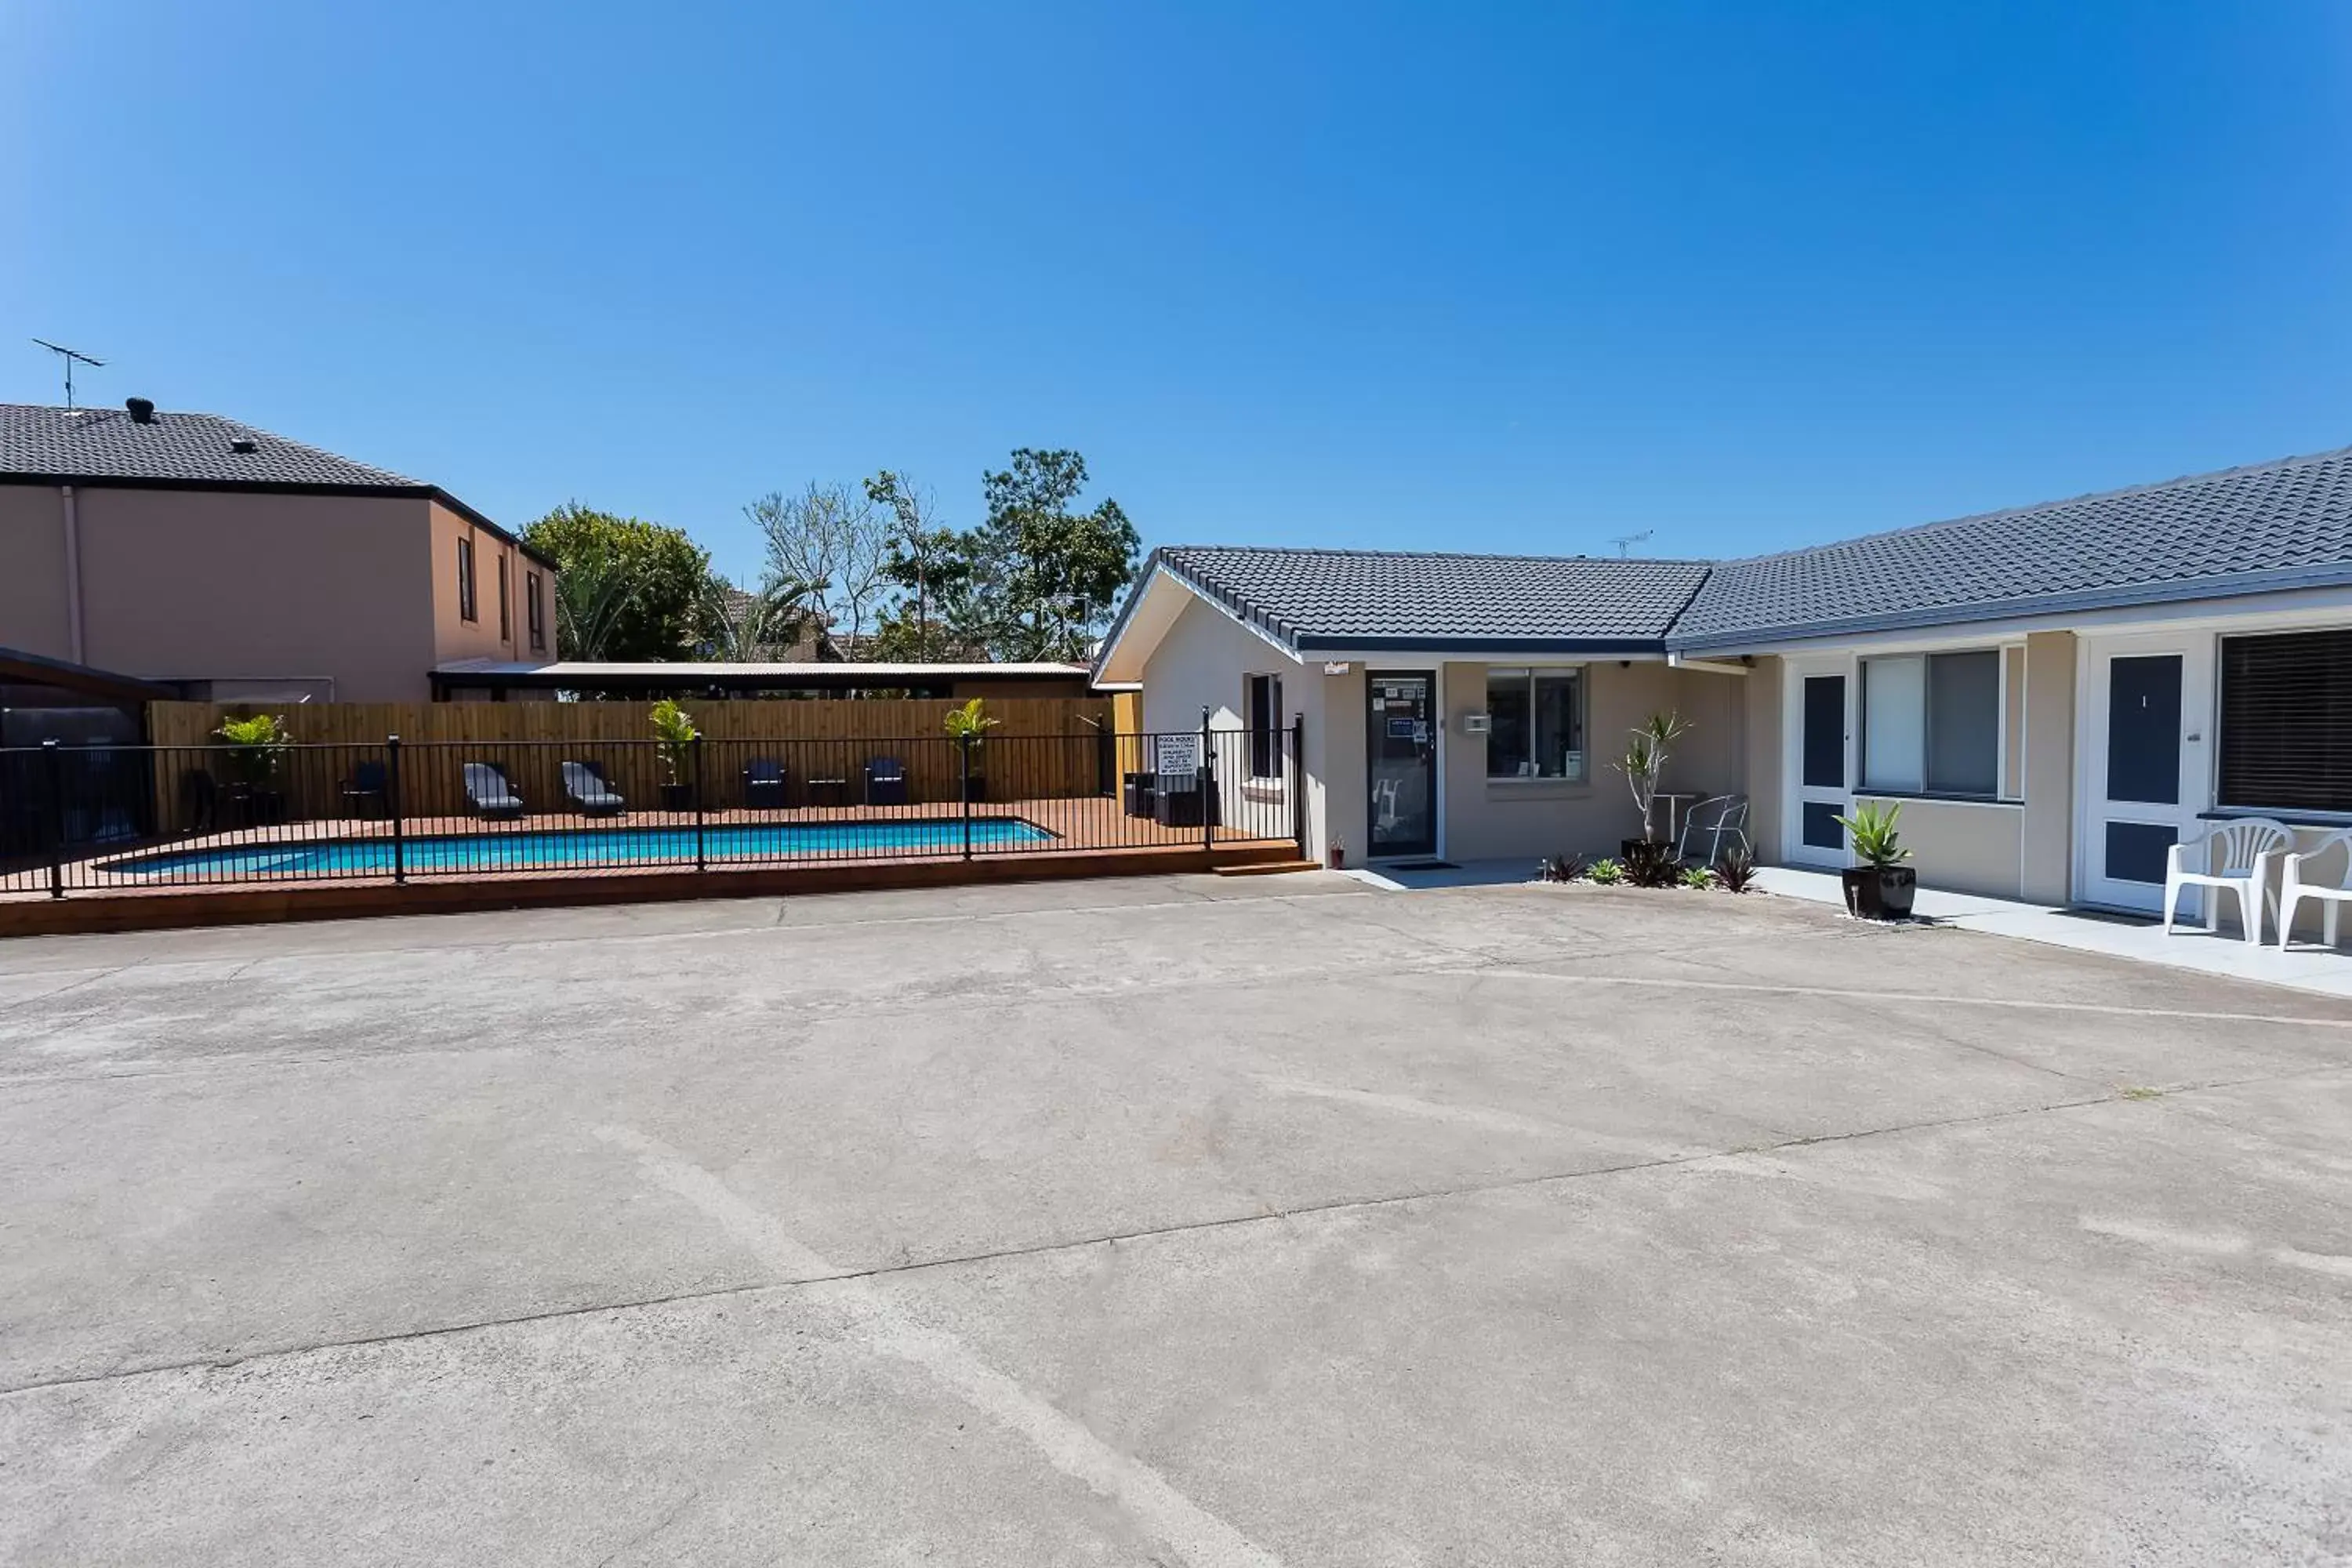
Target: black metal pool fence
(93, 818)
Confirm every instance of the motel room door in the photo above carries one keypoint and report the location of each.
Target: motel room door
(2151, 704)
(1401, 741)
(1820, 732)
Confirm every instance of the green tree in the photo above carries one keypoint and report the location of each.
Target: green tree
(930, 565)
(625, 589)
(1054, 574)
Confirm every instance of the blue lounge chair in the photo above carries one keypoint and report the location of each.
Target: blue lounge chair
(763, 784)
(486, 788)
(584, 783)
(886, 781)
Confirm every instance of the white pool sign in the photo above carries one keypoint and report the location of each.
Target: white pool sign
(1178, 754)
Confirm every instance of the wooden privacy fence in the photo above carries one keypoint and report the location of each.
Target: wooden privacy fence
(1048, 748)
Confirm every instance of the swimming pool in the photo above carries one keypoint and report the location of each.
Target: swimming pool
(538, 850)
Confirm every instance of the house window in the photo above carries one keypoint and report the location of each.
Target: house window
(1535, 723)
(466, 580)
(534, 617)
(1931, 724)
(506, 610)
(2286, 721)
(1266, 726)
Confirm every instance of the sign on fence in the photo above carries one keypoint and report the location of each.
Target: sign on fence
(1179, 756)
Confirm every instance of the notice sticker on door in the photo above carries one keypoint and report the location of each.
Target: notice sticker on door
(1420, 733)
(1403, 729)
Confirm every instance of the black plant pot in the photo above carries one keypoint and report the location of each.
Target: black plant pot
(976, 788)
(1896, 884)
(678, 797)
(1864, 892)
(1627, 849)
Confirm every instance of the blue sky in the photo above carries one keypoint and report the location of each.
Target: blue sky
(1403, 276)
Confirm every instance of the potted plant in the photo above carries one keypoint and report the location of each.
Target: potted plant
(256, 749)
(674, 737)
(1643, 765)
(1881, 887)
(968, 726)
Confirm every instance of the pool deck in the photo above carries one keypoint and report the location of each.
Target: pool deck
(1093, 838)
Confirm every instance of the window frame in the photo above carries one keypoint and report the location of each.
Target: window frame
(1582, 675)
(1864, 785)
(534, 614)
(467, 610)
(505, 600)
(1265, 739)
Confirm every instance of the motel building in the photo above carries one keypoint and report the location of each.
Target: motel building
(2055, 694)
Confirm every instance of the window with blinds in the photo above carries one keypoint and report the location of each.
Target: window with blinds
(2286, 721)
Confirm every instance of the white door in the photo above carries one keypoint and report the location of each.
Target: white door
(1820, 762)
(2149, 714)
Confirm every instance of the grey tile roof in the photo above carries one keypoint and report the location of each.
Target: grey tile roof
(198, 451)
(107, 444)
(1317, 599)
(2269, 526)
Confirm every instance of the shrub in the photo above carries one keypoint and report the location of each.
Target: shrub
(1697, 876)
(1872, 830)
(1736, 870)
(1565, 866)
(256, 746)
(675, 734)
(1652, 865)
(1607, 873)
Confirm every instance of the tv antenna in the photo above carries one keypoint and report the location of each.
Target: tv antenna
(1624, 541)
(70, 356)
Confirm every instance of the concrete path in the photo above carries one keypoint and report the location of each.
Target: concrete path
(1199, 1221)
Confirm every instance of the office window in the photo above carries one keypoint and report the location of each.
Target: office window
(1264, 719)
(466, 580)
(534, 616)
(506, 613)
(1931, 724)
(2286, 721)
(1535, 723)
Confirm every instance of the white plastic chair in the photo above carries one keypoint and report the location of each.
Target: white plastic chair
(2245, 845)
(1715, 819)
(2297, 884)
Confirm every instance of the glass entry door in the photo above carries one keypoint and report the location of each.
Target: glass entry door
(1823, 771)
(1401, 740)
(2147, 766)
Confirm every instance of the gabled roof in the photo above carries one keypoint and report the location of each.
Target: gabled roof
(1318, 600)
(172, 450)
(2265, 528)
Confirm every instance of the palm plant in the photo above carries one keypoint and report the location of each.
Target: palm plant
(1644, 761)
(674, 737)
(591, 595)
(753, 626)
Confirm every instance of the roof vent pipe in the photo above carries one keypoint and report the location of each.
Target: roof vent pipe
(142, 410)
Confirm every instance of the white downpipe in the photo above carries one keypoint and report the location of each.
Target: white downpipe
(73, 577)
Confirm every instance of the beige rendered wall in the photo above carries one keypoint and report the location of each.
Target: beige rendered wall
(1765, 787)
(32, 571)
(456, 638)
(218, 584)
(1962, 846)
(1509, 819)
(2048, 848)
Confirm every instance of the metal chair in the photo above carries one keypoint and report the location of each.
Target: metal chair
(2297, 884)
(1713, 820)
(2245, 845)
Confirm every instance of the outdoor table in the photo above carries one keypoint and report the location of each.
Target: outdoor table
(828, 792)
(1675, 802)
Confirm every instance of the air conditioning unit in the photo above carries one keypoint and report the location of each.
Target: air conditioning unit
(1477, 724)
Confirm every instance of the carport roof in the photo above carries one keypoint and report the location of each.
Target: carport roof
(1332, 600)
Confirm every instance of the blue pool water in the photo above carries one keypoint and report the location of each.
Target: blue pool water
(586, 847)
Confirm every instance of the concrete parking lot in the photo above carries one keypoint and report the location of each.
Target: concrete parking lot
(1185, 1221)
